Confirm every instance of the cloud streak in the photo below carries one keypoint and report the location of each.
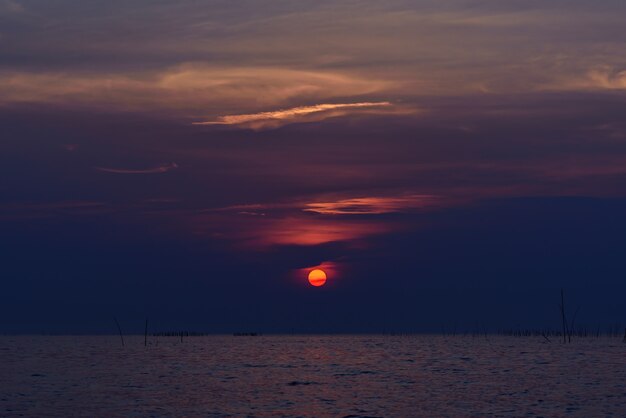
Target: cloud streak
(296, 114)
(372, 205)
(153, 170)
(33, 210)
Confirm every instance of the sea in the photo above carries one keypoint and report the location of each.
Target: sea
(312, 376)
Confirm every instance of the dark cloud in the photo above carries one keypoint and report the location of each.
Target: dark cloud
(152, 170)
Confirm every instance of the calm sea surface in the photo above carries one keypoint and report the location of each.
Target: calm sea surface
(408, 376)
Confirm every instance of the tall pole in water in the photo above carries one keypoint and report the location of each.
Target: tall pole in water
(119, 330)
(563, 317)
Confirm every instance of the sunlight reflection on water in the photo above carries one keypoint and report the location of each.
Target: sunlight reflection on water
(311, 376)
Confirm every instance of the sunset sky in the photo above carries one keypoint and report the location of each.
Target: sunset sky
(447, 164)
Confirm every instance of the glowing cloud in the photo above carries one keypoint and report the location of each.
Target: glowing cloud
(259, 226)
(598, 78)
(183, 90)
(284, 116)
(371, 205)
(307, 232)
(605, 78)
(262, 232)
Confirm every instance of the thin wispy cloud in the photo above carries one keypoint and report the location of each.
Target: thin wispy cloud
(152, 170)
(601, 78)
(284, 116)
(39, 210)
(364, 205)
(371, 205)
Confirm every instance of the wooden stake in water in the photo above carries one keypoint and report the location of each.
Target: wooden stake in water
(563, 317)
(145, 335)
(119, 329)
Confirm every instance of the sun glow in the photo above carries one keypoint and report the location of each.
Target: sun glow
(317, 277)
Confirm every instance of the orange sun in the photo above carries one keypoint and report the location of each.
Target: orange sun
(317, 277)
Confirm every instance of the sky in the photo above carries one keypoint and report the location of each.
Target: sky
(450, 165)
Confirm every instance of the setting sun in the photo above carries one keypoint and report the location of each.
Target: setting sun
(317, 277)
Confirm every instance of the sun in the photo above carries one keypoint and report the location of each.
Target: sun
(317, 277)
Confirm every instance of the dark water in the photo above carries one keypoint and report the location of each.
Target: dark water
(319, 376)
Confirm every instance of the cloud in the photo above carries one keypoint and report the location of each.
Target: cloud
(235, 59)
(308, 232)
(186, 90)
(10, 6)
(306, 222)
(285, 229)
(596, 78)
(606, 78)
(365, 205)
(371, 205)
(31, 210)
(153, 170)
(297, 114)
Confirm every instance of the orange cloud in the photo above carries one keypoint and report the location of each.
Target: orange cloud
(371, 205)
(604, 78)
(284, 116)
(367, 205)
(186, 90)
